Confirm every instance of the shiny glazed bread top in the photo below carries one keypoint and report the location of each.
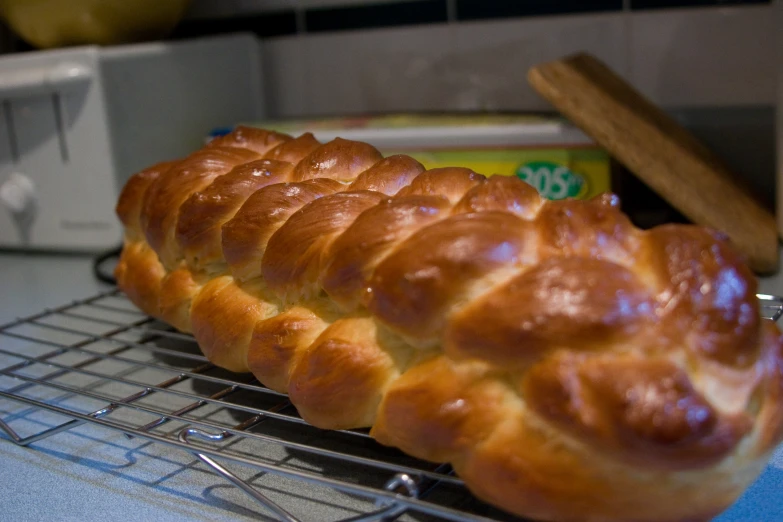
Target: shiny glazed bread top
(569, 365)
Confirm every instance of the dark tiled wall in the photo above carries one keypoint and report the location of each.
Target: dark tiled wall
(265, 25)
(376, 15)
(671, 4)
(493, 9)
(417, 12)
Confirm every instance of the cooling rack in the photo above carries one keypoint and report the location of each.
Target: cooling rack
(102, 362)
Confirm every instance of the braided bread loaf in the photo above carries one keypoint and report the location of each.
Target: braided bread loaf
(567, 364)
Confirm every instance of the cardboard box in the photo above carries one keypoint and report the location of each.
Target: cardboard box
(547, 152)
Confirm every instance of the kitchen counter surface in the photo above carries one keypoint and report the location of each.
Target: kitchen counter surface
(90, 473)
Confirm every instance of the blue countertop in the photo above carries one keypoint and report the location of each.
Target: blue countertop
(90, 473)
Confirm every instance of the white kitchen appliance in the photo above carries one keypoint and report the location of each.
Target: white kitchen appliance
(76, 123)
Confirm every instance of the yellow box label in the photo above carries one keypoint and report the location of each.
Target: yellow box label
(580, 173)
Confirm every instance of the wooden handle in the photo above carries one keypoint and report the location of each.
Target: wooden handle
(660, 152)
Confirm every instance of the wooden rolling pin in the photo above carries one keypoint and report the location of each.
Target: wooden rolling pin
(660, 152)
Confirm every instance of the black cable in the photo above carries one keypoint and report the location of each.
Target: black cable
(100, 260)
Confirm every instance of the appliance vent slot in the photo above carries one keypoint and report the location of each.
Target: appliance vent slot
(13, 144)
(60, 121)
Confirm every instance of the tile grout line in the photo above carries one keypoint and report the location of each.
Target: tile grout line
(451, 11)
(373, 13)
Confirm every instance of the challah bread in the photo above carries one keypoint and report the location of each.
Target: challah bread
(567, 364)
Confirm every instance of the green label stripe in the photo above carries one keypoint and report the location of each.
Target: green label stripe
(553, 181)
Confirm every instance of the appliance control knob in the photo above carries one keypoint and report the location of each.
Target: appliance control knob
(18, 195)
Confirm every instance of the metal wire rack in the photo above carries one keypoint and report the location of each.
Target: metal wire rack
(100, 361)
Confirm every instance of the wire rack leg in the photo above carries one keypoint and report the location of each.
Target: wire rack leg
(401, 483)
(262, 499)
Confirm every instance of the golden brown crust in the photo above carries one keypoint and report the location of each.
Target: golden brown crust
(139, 274)
(131, 197)
(438, 409)
(568, 365)
(449, 182)
(166, 194)
(354, 255)
(643, 411)
(203, 213)
(414, 289)
(512, 456)
(338, 382)
(767, 401)
(341, 160)
(594, 228)
(501, 193)
(177, 290)
(278, 341)
(295, 150)
(254, 139)
(719, 290)
(389, 175)
(223, 317)
(245, 236)
(575, 303)
(292, 259)
(585, 485)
